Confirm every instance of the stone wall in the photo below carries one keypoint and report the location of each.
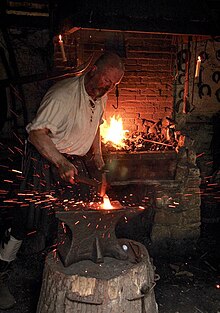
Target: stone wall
(27, 52)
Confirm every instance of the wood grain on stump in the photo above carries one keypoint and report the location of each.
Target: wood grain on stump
(114, 286)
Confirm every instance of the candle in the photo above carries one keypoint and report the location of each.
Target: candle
(62, 49)
(198, 66)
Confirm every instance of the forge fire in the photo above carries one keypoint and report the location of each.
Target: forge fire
(154, 136)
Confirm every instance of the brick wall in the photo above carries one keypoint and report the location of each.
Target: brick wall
(146, 90)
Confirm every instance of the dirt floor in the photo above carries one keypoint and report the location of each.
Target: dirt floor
(186, 285)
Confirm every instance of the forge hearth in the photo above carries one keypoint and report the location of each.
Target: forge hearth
(143, 165)
(88, 233)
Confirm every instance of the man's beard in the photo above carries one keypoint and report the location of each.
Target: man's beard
(100, 92)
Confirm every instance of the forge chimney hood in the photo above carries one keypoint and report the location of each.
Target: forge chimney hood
(173, 16)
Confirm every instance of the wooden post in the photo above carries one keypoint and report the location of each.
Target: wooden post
(115, 286)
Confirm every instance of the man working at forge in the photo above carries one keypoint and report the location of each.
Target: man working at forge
(65, 128)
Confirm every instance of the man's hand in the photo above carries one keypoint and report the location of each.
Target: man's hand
(99, 162)
(67, 171)
(43, 143)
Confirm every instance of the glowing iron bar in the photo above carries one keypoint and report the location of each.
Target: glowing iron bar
(106, 205)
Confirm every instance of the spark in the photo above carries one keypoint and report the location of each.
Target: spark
(21, 142)
(19, 150)
(31, 233)
(3, 191)
(141, 207)
(4, 166)
(16, 171)
(199, 155)
(11, 150)
(64, 227)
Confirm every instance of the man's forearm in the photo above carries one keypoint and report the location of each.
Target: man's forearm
(43, 143)
(96, 146)
(97, 151)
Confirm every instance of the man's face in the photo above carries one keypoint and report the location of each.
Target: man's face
(102, 81)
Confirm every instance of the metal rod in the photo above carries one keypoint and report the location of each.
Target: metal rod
(159, 143)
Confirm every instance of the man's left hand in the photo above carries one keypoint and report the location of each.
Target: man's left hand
(99, 162)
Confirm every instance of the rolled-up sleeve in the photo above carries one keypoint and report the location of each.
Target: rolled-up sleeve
(50, 115)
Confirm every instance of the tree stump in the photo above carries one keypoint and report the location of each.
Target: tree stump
(115, 286)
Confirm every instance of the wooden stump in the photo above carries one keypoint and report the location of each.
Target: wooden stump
(115, 286)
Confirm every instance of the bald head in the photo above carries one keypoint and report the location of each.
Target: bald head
(110, 60)
(107, 72)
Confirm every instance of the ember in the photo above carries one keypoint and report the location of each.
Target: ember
(154, 136)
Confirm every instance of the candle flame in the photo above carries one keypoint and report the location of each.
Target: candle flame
(106, 205)
(113, 132)
(60, 37)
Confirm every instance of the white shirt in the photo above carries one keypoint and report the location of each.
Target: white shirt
(66, 111)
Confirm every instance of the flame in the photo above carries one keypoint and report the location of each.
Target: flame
(113, 132)
(106, 205)
(60, 38)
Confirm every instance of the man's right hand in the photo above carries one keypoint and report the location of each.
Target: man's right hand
(67, 171)
(43, 143)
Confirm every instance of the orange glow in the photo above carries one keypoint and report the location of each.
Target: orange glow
(113, 132)
(106, 205)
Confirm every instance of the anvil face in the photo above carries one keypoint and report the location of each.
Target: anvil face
(89, 234)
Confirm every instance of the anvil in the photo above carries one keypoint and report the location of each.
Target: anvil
(88, 233)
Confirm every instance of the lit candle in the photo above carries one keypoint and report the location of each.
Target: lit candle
(62, 49)
(198, 66)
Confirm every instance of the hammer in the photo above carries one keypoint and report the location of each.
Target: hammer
(101, 186)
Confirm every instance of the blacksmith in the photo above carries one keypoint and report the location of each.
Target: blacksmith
(65, 128)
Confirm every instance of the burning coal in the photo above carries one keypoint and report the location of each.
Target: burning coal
(153, 136)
